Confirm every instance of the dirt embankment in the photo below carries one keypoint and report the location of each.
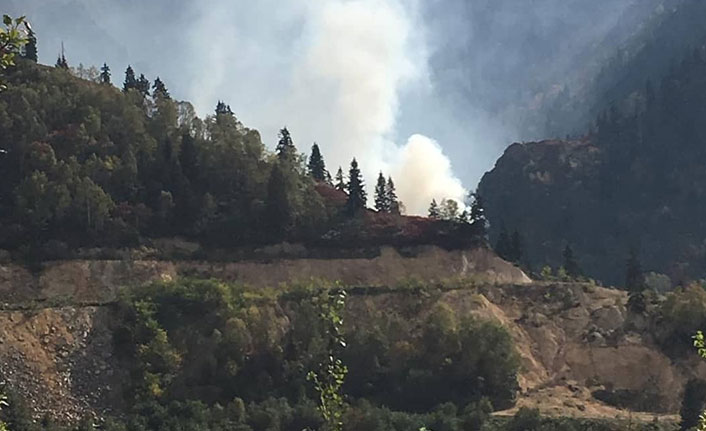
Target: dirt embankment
(98, 281)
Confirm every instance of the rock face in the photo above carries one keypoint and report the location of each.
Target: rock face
(567, 192)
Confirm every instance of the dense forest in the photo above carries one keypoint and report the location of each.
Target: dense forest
(89, 164)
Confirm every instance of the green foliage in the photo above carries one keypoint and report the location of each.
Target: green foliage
(357, 197)
(434, 211)
(87, 165)
(317, 166)
(340, 181)
(12, 39)
(682, 314)
(29, 51)
(105, 74)
(331, 374)
(381, 203)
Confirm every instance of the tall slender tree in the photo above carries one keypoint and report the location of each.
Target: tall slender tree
(316, 166)
(30, 49)
(517, 247)
(382, 204)
(286, 151)
(105, 74)
(223, 109)
(392, 200)
(340, 181)
(434, 212)
(357, 197)
(159, 90)
(143, 85)
(130, 80)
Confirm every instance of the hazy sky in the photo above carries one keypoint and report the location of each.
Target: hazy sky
(428, 91)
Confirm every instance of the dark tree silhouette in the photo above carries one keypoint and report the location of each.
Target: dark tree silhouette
(382, 204)
(130, 80)
(434, 211)
(159, 90)
(30, 49)
(340, 181)
(105, 74)
(357, 198)
(316, 166)
(286, 151)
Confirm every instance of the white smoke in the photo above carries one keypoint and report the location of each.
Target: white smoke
(336, 81)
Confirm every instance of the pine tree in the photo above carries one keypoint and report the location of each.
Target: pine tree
(392, 200)
(317, 167)
(143, 85)
(286, 150)
(130, 80)
(30, 48)
(434, 212)
(478, 218)
(223, 109)
(634, 277)
(382, 205)
(159, 90)
(105, 74)
(357, 198)
(570, 265)
(503, 247)
(61, 62)
(340, 181)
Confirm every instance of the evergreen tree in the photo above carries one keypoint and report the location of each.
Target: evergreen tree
(105, 74)
(692, 404)
(30, 48)
(478, 218)
(61, 62)
(382, 205)
(434, 212)
(503, 247)
(130, 80)
(278, 207)
(285, 147)
(317, 167)
(634, 277)
(143, 85)
(340, 181)
(159, 90)
(392, 200)
(570, 265)
(223, 109)
(357, 198)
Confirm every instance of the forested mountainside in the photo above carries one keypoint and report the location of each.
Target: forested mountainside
(637, 182)
(652, 38)
(89, 164)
